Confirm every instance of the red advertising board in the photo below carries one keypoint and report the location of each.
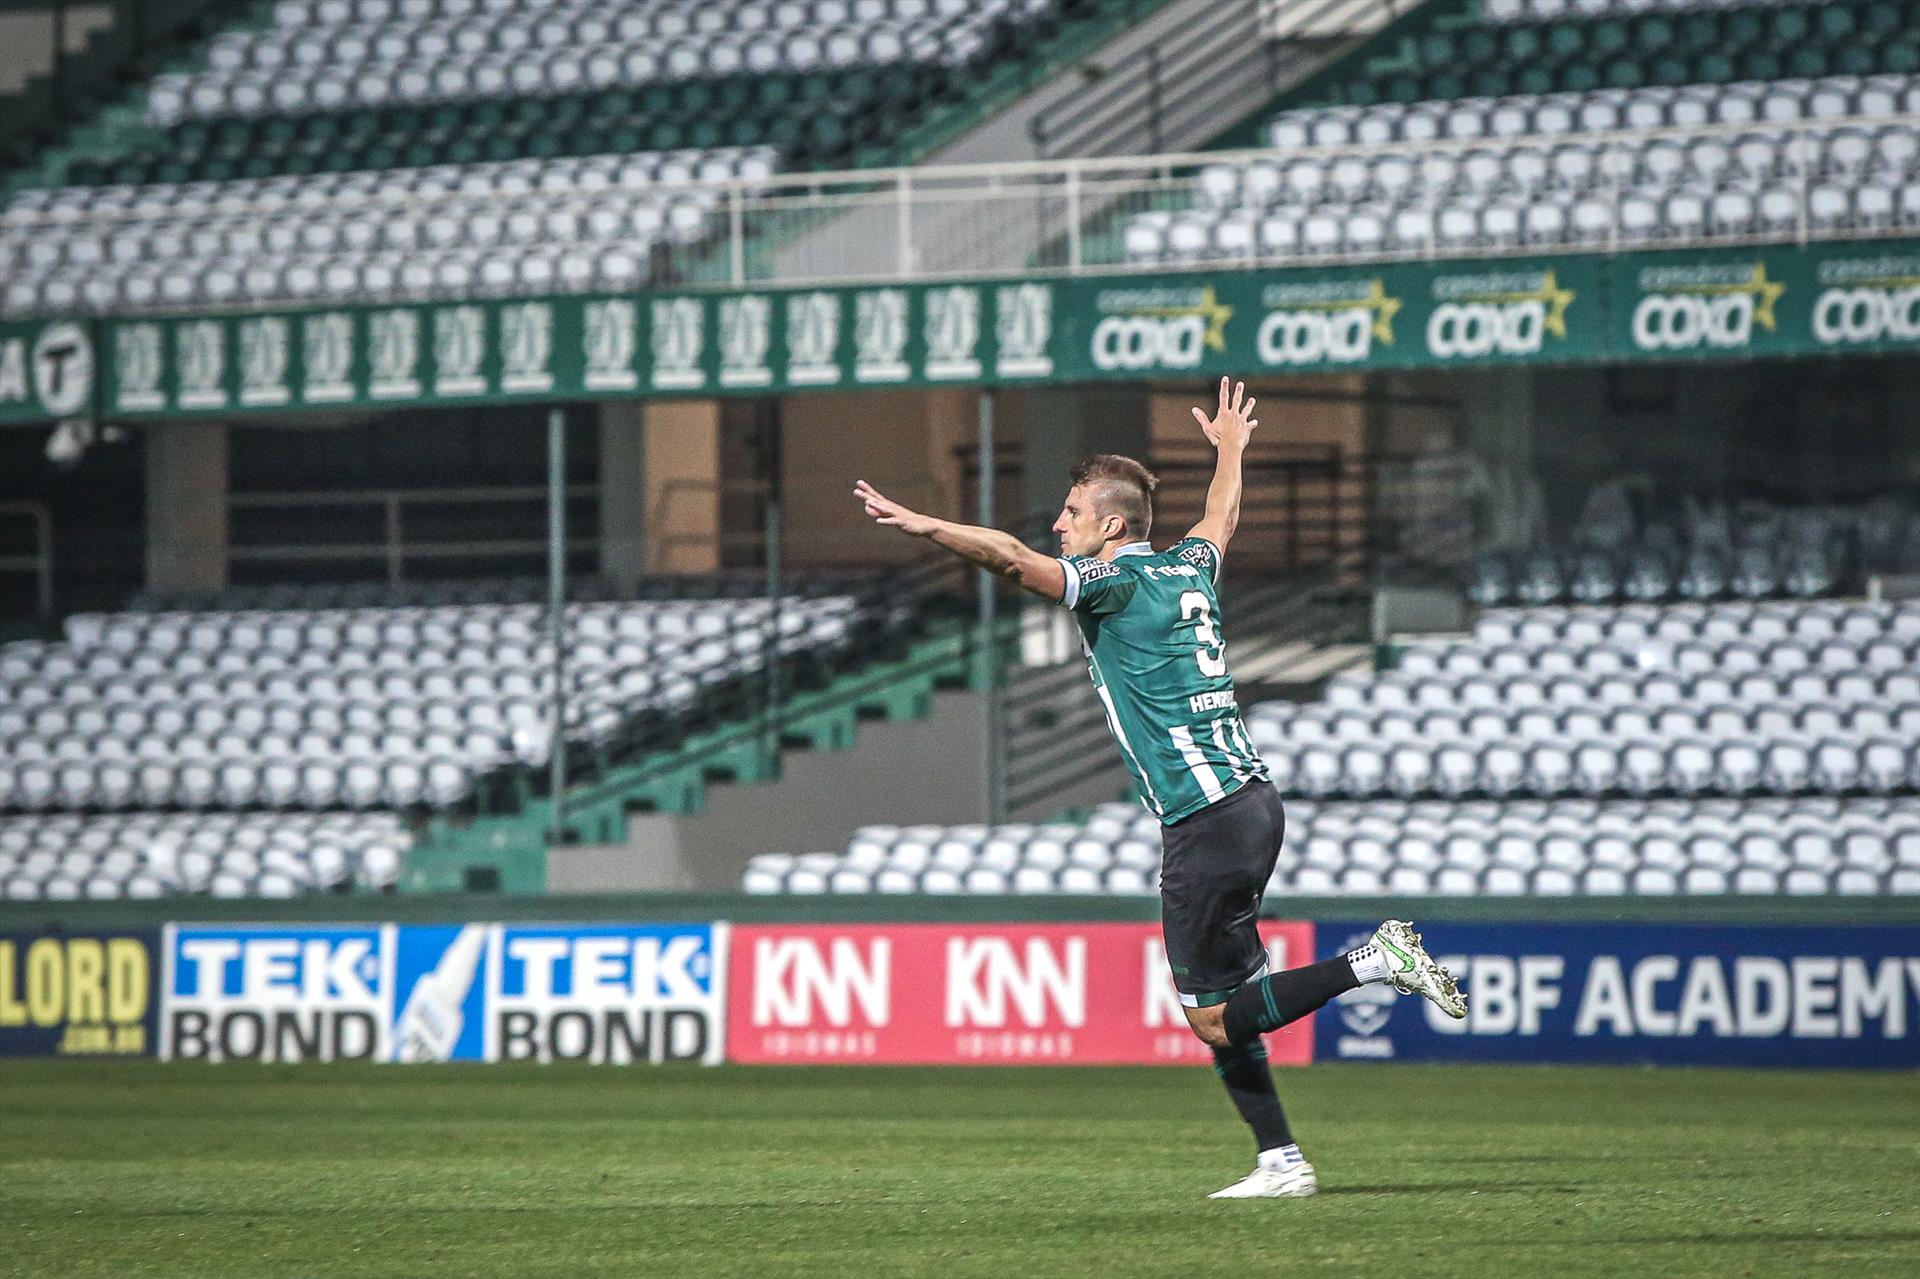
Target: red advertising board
(973, 994)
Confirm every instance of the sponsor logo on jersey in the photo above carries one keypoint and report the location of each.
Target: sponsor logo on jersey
(1504, 313)
(1324, 322)
(1714, 306)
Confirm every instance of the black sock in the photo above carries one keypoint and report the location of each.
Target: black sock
(1249, 1082)
(1271, 1002)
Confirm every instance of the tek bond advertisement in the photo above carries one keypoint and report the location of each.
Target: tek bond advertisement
(1658, 994)
(604, 993)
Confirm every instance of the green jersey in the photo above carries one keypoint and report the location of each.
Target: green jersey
(1150, 625)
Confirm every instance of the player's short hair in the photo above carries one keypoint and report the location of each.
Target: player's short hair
(1120, 486)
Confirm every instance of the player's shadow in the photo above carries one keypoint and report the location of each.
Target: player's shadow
(1458, 1188)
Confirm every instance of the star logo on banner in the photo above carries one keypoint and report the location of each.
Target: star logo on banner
(1765, 293)
(1384, 308)
(1210, 308)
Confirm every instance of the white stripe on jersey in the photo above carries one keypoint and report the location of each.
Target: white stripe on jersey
(1196, 762)
(1070, 597)
(1120, 736)
(1231, 755)
(1255, 765)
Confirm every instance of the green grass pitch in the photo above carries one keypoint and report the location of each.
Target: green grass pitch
(136, 1168)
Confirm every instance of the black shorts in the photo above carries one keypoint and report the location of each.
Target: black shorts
(1214, 867)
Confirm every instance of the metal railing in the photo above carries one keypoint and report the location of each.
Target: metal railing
(1224, 60)
(1070, 216)
(393, 548)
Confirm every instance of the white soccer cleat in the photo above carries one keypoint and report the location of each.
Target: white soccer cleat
(1272, 1183)
(1411, 971)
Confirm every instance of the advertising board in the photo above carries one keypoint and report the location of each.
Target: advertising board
(1082, 994)
(78, 994)
(1667, 994)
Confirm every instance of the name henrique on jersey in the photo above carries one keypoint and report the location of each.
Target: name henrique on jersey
(1150, 625)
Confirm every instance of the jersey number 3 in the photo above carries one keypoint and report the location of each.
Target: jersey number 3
(1212, 654)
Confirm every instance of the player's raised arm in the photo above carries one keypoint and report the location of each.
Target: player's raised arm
(1001, 554)
(1228, 431)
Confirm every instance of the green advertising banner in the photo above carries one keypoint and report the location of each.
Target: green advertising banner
(1724, 303)
(1767, 301)
(570, 348)
(1400, 315)
(46, 370)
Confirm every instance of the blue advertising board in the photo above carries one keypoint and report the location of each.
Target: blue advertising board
(1663, 994)
(78, 994)
(456, 992)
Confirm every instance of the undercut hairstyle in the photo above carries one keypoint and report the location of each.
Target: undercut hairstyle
(1120, 486)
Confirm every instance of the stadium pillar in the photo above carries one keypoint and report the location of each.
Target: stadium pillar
(186, 505)
(623, 494)
(988, 649)
(557, 612)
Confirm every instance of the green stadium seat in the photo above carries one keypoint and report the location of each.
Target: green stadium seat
(1809, 61)
(1579, 79)
(1788, 27)
(1653, 33)
(1626, 73)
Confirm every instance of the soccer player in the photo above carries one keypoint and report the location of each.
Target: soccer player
(1150, 624)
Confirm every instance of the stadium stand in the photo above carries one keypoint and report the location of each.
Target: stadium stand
(143, 724)
(1732, 747)
(353, 708)
(1576, 846)
(1702, 553)
(374, 150)
(62, 856)
(1577, 124)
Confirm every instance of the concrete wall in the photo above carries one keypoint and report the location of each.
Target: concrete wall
(26, 40)
(682, 458)
(901, 442)
(926, 770)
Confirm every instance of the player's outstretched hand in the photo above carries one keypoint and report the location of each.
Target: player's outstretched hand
(884, 511)
(1234, 422)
